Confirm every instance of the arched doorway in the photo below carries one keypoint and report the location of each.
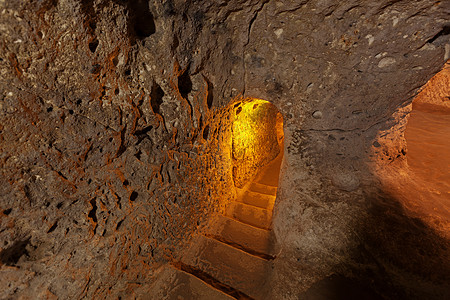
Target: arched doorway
(232, 255)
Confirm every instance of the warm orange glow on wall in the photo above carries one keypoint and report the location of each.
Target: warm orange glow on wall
(427, 135)
(421, 182)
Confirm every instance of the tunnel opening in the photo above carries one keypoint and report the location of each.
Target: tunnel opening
(427, 138)
(234, 252)
(257, 141)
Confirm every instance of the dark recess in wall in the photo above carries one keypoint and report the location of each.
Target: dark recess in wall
(92, 213)
(156, 97)
(87, 7)
(210, 93)
(133, 196)
(206, 132)
(93, 45)
(10, 256)
(141, 18)
(184, 84)
(53, 227)
(445, 31)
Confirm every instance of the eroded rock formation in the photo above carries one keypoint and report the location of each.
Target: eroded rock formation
(114, 134)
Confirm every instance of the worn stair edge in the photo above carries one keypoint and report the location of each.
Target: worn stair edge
(257, 199)
(244, 272)
(253, 240)
(248, 214)
(174, 283)
(240, 247)
(224, 291)
(263, 188)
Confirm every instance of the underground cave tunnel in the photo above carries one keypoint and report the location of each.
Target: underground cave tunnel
(233, 253)
(257, 139)
(427, 137)
(133, 165)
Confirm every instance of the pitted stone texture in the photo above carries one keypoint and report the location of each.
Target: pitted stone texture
(109, 137)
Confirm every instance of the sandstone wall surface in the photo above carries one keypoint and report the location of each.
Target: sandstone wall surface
(114, 134)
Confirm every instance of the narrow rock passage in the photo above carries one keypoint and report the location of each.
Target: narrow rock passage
(233, 259)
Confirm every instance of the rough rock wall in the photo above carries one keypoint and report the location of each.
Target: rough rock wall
(108, 148)
(343, 75)
(435, 94)
(105, 109)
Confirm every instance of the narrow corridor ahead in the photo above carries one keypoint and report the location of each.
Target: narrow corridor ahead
(233, 259)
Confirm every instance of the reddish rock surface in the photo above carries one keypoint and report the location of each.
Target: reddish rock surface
(115, 140)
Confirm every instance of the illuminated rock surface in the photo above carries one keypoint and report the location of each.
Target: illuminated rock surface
(235, 253)
(116, 134)
(423, 187)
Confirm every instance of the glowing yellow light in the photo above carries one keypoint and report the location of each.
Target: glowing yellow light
(245, 125)
(255, 136)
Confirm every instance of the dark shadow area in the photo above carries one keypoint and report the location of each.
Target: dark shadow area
(407, 258)
(445, 31)
(206, 132)
(336, 287)
(210, 93)
(184, 84)
(11, 255)
(44, 5)
(401, 254)
(156, 97)
(93, 45)
(90, 17)
(53, 227)
(141, 20)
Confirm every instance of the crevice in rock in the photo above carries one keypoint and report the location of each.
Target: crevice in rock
(206, 132)
(141, 18)
(156, 97)
(87, 8)
(142, 135)
(121, 149)
(209, 92)
(445, 31)
(119, 224)
(53, 227)
(10, 256)
(133, 196)
(184, 84)
(93, 213)
(210, 280)
(93, 45)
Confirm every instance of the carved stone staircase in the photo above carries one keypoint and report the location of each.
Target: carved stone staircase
(233, 259)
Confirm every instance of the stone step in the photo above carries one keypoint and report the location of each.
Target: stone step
(175, 284)
(263, 188)
(256, 241)
(269, 174)
(256, 199)
(249, 214)
(232, 267)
